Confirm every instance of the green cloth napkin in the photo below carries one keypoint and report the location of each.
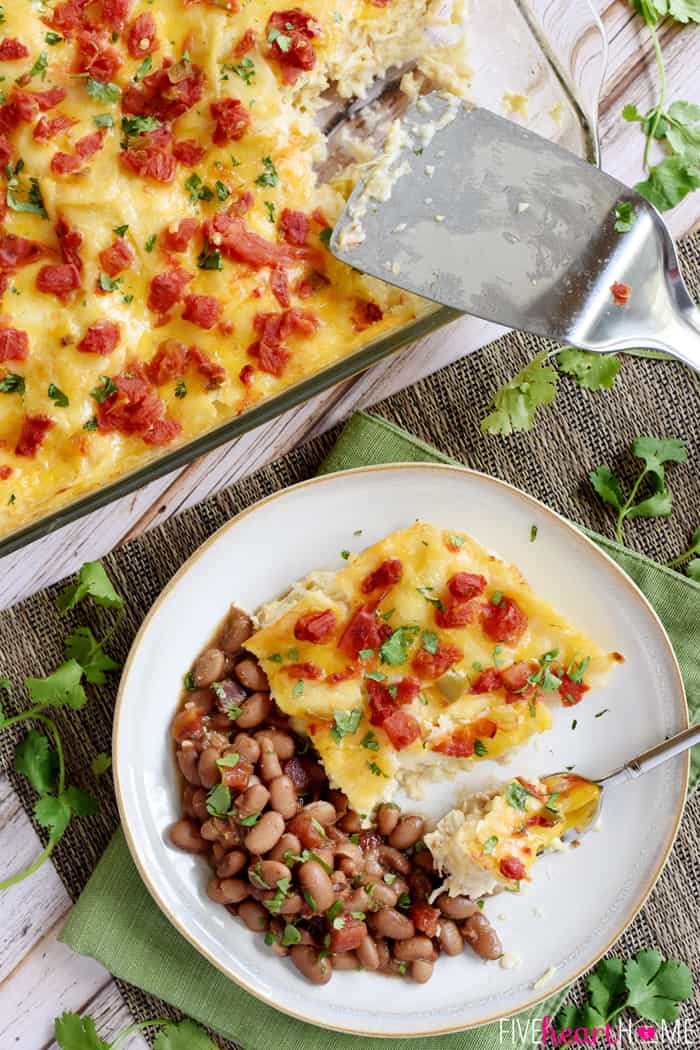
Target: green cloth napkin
(118, 923)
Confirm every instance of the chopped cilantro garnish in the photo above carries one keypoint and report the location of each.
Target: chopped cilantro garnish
(101, 393)
(298, 688)
(394, 650)
(517, 795)
(369, 741)
(426, 592)
(219, 801)
(490, 844)
(346, 723)
(374, 768)
(533, 533)
(57, 396)
(270, 176)
(251, 821)
(480, 748)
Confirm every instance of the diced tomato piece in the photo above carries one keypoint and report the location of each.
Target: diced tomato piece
(176, 239)
(434, 665)
(117, 257)
(308, 671)
(363, 631)
(384, 576)
(621, 293)
(188, 152)
(295, 226)
(279, 286)
(425, 918)
(401, 728)
(18, 251)
(349, 936)
(169, 362)
(69, 241)
(202, 310)
(167, 290)
(512, 868)
(187, 723)
(65, 163)
(114, 13)
(232, 120)
(100, 338)
(142, 39)
(237, 777)
(301, 826)
(455, 613)
(12, 49)
(366, 314)
(87, 146)
(515, 677)
(315, 626)
(46, 100)
(466, 585)
(47, 128)
(245, 44)
(571, 692)
(505, 622)
(58, 280)
(34, 430)
(14, 344)
(487, 682)
(290, 34)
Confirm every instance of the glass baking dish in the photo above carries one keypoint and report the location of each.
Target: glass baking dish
(548, 52)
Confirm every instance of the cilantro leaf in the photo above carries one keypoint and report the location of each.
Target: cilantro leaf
(517, 795)
(669, 182)
(658, 505)
(591, 371)
(186, 1035)
(94, 581)
(606, 985)
(100, 763)
(83, 647)
(74, 1032)
(346, 723)
(53, 814)
(607, 486)
(693, 569)
(37, 761)
(625, 217)
(61, 687)
(657, 451)
(394, 650)
(80, 802)
(656, 987)
(515, 404)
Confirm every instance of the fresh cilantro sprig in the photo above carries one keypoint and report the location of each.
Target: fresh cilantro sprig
(691, 556)
(74, 1032)
(678, 127)
(658, 501)
(39, 756)
(648, 984)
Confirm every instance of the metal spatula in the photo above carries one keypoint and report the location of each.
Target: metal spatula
(493, 220)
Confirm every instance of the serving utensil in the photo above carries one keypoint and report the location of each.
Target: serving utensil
(475, 212)
(635, 768)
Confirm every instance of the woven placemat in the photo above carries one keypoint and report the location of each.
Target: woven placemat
(581, 431)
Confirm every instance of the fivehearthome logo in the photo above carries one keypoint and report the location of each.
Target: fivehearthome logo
(623, 1034)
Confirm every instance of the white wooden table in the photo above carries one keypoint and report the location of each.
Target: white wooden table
(40, 978)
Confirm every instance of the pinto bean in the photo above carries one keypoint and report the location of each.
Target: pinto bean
(254, 710)
(251, 675)
(236, 630)
(407, 832)
(424, 861)
(358, 900)
(381, 895)
(450, 938)
(246, 746)
(346, 961)
(187, 759)
(418, 947)
(199, 804)
(456, 907)
(339, 800)
(282, 744)
(368, 954)
(209, 667)
(420, 886)
(254, 915)
(421, 970)
(351, 823)
(209, 772)
(270, 871)
(321, 811)
(387, 818)
(307, 962)
(481, 936)
(391, 923)
(287, 844)
(185, 834)
(291, 905)
(383, 952)
(394, 860)
(269, 765)
(283, 796)
(231, 863)
(277, 931)
(253, 800)
(266, 833)
(228, 891)
(317, 884)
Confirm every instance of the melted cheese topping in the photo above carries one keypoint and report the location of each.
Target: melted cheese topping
(274, 160)
(493, 841)
(329, 693)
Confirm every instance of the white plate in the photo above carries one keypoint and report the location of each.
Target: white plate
(579, 902)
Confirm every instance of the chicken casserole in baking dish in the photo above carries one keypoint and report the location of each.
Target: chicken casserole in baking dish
(163, 258)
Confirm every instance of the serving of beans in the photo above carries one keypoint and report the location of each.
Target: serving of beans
(288, 855)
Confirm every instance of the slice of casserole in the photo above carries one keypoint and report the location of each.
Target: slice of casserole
(424, 654)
